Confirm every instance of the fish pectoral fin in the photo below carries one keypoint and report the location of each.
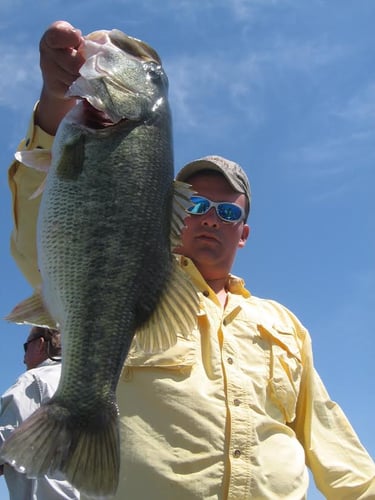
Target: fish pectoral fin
(31, 311)
(39, 191)
(176, 312)
(71, 159)
(38, 159)
(181, 202)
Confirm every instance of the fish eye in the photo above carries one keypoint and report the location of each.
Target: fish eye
(154, 71)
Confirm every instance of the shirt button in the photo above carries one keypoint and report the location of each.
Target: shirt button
(230, 361)
(206, 293)
(237, 453)
(237, 402)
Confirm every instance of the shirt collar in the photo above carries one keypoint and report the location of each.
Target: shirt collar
(235, 284)
(48, 362)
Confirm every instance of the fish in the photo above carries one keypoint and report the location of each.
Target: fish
(110, 216)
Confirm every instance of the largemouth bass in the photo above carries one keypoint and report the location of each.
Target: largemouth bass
(109, 216)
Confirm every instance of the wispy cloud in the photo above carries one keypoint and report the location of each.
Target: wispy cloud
(242, 80)
(20, 76)
(333, 167)
(325, 153)
(249, 9)
(196, 83)
(361, 106)
(240, 8)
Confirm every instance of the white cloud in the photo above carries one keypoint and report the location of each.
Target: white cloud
(360, 107)
(334, 156)
(209, 85)
(246, 9)
(20, 76)
(240, 82)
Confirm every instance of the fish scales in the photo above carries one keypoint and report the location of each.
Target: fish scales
(99, 261)
(104, 251)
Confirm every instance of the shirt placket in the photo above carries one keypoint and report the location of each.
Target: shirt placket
(239, 418)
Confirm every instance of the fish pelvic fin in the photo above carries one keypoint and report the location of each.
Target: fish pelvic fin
(181, 201)
(32, 311)
(176, 312)
(51, 440)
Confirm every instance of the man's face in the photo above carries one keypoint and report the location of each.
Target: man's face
(35, 351)
(210, 242)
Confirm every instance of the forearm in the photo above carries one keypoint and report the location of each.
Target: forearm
(46, 120)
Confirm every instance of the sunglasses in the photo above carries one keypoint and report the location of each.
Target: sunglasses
(228, 212)
(26, 344)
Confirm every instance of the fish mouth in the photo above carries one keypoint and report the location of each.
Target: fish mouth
(95, 118)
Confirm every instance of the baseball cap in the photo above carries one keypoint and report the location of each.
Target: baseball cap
(234, 174)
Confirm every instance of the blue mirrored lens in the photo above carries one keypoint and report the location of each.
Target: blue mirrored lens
(201, 205)
(228, 212)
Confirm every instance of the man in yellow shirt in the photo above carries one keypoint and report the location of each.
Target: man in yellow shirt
(237, 411)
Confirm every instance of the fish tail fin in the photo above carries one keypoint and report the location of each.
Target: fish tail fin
(32, 311)
(176, 313)
(52, 440)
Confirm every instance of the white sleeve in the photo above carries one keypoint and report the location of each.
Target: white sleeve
(17, 403)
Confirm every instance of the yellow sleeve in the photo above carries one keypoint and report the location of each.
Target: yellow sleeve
(23, 182)
(341, 466)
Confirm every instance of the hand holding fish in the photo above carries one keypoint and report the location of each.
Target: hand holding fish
(60, 62)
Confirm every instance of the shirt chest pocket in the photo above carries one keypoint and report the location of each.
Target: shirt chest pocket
(179, 358)
(285, 369)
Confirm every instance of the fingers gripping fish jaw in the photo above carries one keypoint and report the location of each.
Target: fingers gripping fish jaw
(109, 74)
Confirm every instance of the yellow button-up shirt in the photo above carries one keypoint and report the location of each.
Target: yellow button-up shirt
(234, 412)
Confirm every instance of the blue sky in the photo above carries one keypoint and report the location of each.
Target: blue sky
(287, 89)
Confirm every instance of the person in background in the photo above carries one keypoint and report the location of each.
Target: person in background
(34, 387)
(238, 410)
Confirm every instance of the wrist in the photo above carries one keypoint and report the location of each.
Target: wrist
(50, 110)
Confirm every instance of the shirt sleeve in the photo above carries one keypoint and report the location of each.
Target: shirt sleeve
(341, 466)
(23, 183)
(17, 403)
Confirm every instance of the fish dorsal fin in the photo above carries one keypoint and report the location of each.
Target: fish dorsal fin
(32, 311)
(176, 312)
(181, 201)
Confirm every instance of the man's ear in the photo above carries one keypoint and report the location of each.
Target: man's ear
(244, 236)
(41, 345)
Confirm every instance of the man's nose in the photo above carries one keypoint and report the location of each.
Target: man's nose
(210, 219)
